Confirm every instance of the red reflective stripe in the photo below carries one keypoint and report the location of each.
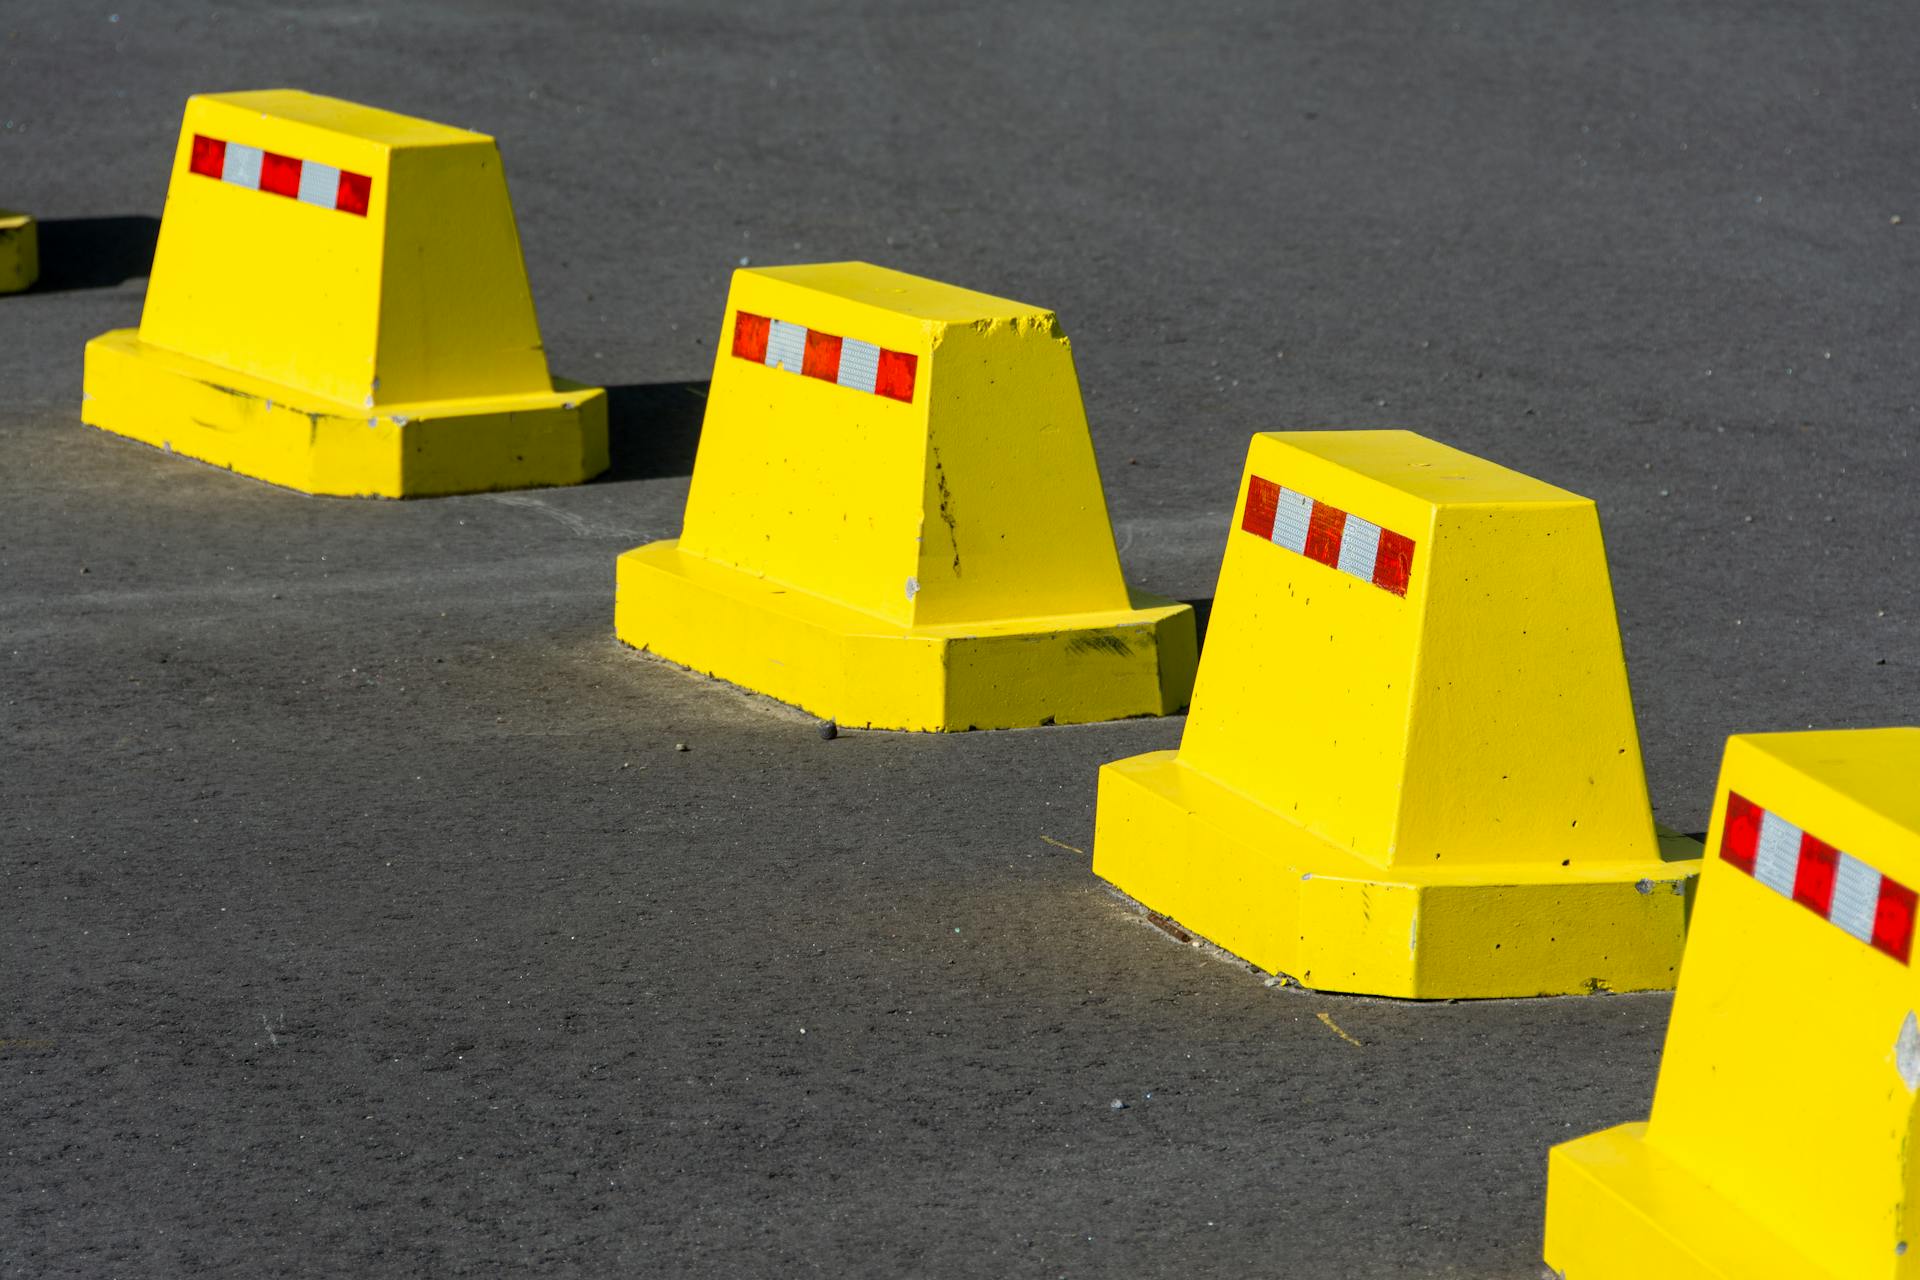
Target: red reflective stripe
(1263, 500)
(355, 190)
(1326, 535)
(1893, 920)
(750, 336)
(1813, 878)
(279, 174)
(821, 358)
(1740, 833)
(1324, 528)
(1393, 563)
(895, 377)
(209, 156)
(1816, 870)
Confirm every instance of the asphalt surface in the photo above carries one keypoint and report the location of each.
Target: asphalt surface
(361, 915)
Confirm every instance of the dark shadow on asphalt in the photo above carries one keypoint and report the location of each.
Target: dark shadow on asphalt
(95, 253)
(1202, 613)
(653, 429)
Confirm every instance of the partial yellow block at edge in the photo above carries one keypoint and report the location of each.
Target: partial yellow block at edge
(1782, 1142)
(1622, 1211)
(19, 251)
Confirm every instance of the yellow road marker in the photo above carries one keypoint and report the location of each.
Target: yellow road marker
(19, 251)
(896, 520)
(1411, 767)
(338, 305)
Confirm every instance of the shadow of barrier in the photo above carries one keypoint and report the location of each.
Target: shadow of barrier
(653, 429)
(95, 253)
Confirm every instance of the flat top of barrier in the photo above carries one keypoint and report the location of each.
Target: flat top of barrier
(897, 291)
(8, 218)
(1425, 468)
(370, 124)
(1874, 768)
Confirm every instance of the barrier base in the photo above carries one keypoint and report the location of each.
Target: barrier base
(1259, 885)
(865, 672)
(19, 251)
(293, 438)
(1618, 1209)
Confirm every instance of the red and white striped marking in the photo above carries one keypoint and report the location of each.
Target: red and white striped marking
(269, 171)
(848, 362)
(1835, 886)
(1335, 538)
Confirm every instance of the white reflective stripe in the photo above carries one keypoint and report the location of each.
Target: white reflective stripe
(319, 184)
(1856, 897)
(786, 345)
(1359, 545)
(1778, 861)
(242, 167)
(859, 364)
(1292, 511)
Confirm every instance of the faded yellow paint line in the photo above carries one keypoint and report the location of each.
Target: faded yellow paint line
(1335, 1028)
(1059, 845)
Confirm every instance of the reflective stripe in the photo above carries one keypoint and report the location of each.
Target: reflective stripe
(1393, 567)
(786, 346)
(322, 185)
(1779, 856)
(1292, 516)
(242, 168)
(1834, 885)
(319, 184)
(1359, 545)
(815, 353)
(859, 364)
(1327, 535)
(1856, 897)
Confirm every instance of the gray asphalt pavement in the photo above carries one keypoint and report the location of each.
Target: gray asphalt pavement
(361, 916)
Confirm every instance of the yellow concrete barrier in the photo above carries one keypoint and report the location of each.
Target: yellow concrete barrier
(1782, 1144)
(1411, 767)
(896, 520)
(338, 304)
(19, 251)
